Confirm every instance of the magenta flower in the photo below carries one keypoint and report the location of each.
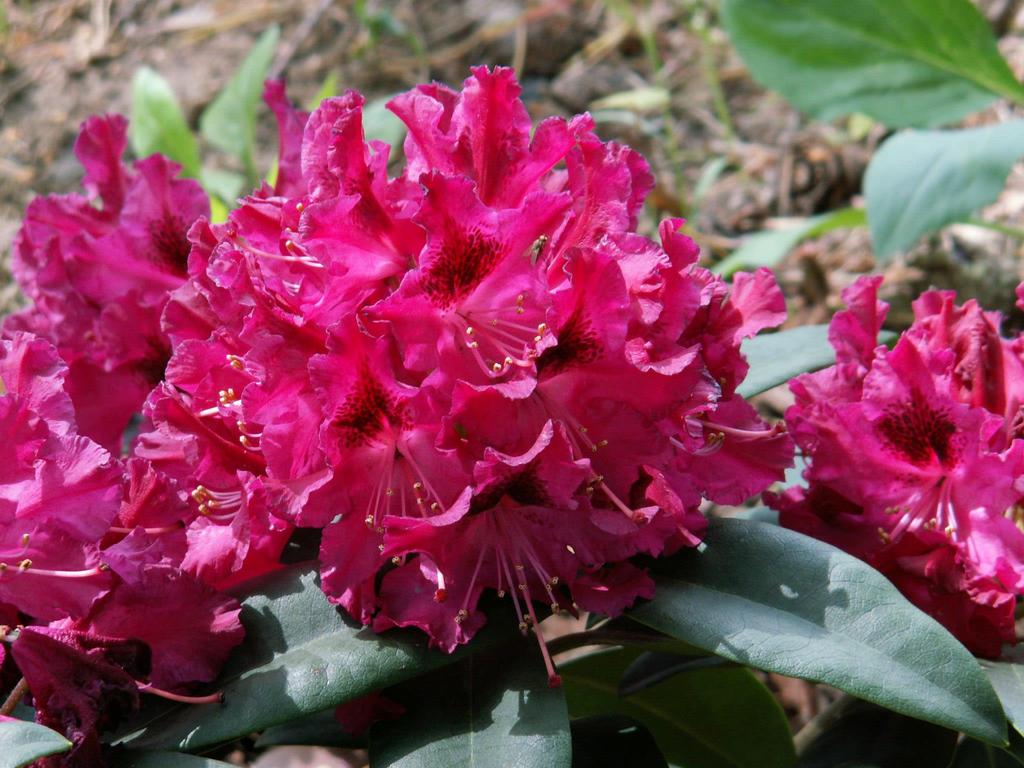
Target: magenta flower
(475, 375)
(91, 555)
(917, 441)
(99, 275)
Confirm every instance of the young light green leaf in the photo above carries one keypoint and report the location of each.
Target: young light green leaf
(705, 718)
(766, 249)
(22, 743)
(780, 601)
(920, 63)
(490, 710)
(300, 656)
(646, 99)
(158, 125)
(775, 358)
(919, 181)
(229, 123)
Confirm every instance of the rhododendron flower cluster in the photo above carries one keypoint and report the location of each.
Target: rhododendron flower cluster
(915, 458)
(472, 375)
(98, 269)
(96, 606)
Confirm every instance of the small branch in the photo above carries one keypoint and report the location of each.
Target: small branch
(822, 721)
(16, 695)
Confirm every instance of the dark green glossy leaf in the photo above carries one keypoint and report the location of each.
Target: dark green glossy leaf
(614, 741)
(919, 181)
(775, 358)
(917, 63)
(158, 125)
(320, 729)
(490, 710)
(653, 667)
(780, 601)
(710, 718)
(131, 759)
(768, 248)
(22, 743)
(300, 656)
(229, 123)
(976, 754)
(867, 736)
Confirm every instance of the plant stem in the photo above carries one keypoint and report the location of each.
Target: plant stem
(600, 637)
(15, 696)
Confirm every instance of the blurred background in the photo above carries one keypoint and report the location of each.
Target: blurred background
(733, 158)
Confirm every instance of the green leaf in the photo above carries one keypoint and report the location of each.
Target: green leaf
(229, 123)
(133, 759)
(766, 249)
(490, 710)
(380, 124)
(224, 185)
(976, 754)
(158, 125)
(614, 741)
(300, 656)
(652, 667)
(919, 181)
(320, 729)
(783, 602)
(775, 358)
(21, 743)
(868, 736)
(710, 718)
(920, 63)
(1007, 677)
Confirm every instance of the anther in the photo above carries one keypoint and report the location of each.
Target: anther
(236, 362)
(24, 565)
(24, 539)
(299, 207)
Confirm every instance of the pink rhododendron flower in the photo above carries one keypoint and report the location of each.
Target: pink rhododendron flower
(92, 556)
(913, 458)
(472, 375)
(99, 275)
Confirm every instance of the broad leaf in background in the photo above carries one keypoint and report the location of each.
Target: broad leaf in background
(768, 248)
(158, 125)
(867, 736)
(912, 63)
(381, 124)
(164, 760)
(229, 123)
(300, 656)
(919, 181)
(22, 743)
(613, 740)
(652, 667)
(711, 718)
(490, 710)
(780, 601)
(775, 358)
(1007, 677)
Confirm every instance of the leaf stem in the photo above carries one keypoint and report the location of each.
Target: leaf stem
(15, 696)
(600, 637)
